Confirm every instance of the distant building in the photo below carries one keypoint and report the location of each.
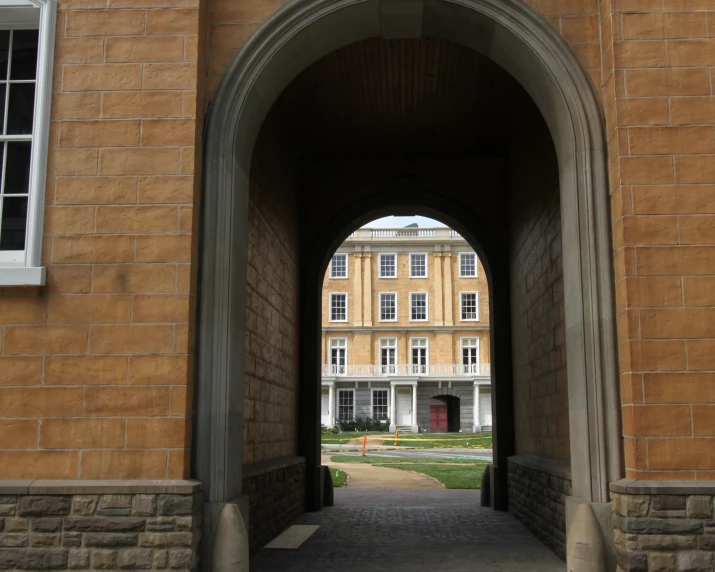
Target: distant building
(406, 332)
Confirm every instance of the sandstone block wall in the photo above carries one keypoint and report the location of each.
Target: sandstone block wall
(100, 531)
(272, 362)
(95, 367)
(658, 102)
(537, 299)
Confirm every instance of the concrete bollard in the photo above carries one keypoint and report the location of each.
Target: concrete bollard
(585, 550)
(230, 550)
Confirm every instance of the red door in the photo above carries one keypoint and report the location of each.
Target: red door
(438, 418)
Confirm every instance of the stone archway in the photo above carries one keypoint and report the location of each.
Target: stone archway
(523, 43)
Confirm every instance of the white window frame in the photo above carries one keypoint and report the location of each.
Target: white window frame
(346, 267)
(426, 318)
(476, 264)
(24, 268)
(372, 402)
(379, 306)
(337, 402)
(379, 357)
(379, 265)
(330, 307)
(462, 346)
(461, 307)
(412, 357)
(426, 264)
(330, 356)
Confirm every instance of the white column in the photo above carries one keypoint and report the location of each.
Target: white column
(477, 427)
(331, 405)
(393, 424)
(414, 406)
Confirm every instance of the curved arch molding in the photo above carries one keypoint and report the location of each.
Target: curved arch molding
(522, 42)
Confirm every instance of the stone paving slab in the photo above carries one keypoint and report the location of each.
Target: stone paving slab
(412, 529)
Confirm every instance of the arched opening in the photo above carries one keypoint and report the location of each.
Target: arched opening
(529, 189)
(444, 413)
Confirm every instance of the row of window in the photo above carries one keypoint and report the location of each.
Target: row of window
(346, 404)
(419, 355)
(418, 265)
(419, 307)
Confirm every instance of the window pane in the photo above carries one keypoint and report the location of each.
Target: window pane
(379, 404)
(468, 265)
(339, 266)
(387, 307)
(21, 108)
(419, 306)
(338, 307)
(4, 50)
(24, 54)
(387, 266)
(14, 223)
(469, 306)
(418, 267)
(3, 89)
(17, 171)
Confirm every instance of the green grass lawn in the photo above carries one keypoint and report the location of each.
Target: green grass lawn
(453, 477)
(340, 478)
(443, 440)
(395, 460)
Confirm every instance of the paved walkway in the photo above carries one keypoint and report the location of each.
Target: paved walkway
(364, 476)
(389, 530)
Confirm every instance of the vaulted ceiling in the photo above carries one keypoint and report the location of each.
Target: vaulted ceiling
(399, 98)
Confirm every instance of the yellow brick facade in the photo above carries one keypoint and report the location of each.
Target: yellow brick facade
(363, 285)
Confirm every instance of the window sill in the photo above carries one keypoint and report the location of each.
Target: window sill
(22, 276)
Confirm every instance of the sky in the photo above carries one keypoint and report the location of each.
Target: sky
(403, 221)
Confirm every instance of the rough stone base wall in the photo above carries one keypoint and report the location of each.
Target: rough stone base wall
(100, 531)
(538, 499)
(655, 533)
(276, 494)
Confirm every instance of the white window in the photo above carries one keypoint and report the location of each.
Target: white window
(469, 306)
(418, 266)
(388, 356)
(470, 356)
(380, 410)
(338, 356)
(418, 306)
(338, 307)
(339, 266)
(388, 307)
(26, 51)
(346, 404)
(467, 265)
(419, 356)
(388, 265)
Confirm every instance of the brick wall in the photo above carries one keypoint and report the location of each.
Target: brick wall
(94, 378)
(659, 106)
(538, 330)
(271, 387)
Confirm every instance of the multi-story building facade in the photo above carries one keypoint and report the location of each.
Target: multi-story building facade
(406, 332)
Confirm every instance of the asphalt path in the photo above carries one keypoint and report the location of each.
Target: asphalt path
(476, 454)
